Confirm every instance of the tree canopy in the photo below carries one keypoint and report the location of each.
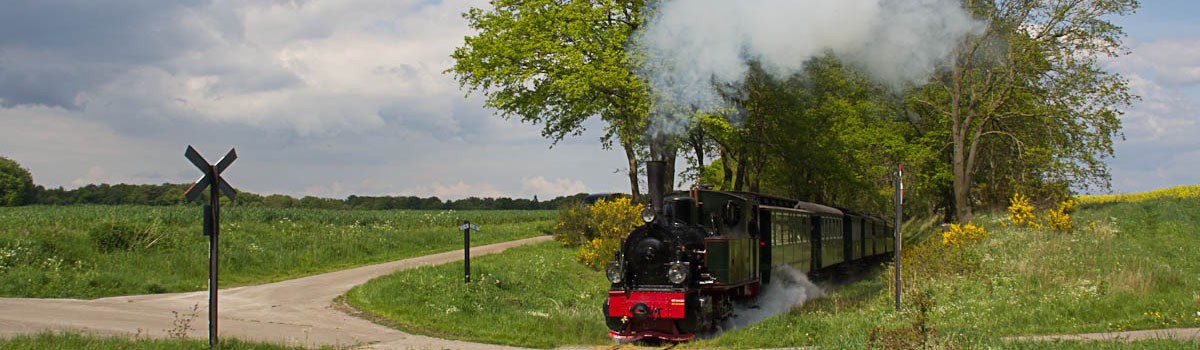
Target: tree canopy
(558, 63)
(16, 184)
(1027, 103)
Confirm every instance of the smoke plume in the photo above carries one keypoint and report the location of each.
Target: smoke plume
(789, 288)
(694, 47)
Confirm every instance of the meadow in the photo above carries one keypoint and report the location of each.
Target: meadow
(96, 342)
(91, 251)
(1127, 265)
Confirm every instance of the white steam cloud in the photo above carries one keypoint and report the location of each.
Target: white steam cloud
(692, 45)
(789, 288)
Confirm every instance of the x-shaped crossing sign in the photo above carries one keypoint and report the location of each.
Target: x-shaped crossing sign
(212, 174)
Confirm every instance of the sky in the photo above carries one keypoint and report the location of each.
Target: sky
(334, 98)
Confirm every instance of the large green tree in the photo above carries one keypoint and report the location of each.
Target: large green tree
(1030, 90)
(16, 184)
(558, 63)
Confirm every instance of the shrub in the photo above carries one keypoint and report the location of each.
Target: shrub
(960, 235)
(1020, 211)
(919, 334)
(113, 236)
(611, 221)
(572, 228)
(1060, 219)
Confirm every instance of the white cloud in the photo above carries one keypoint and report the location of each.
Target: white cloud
(538, 185)
(1159, 149)
(1167, 61)
(456, 190)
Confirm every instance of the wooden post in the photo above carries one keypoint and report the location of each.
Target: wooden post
(899, 221)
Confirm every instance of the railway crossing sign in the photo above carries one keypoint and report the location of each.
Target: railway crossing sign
(212, 220)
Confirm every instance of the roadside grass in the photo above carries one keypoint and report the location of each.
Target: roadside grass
(1127, 266)
(532, 296)
(49, 340)
(92, 251)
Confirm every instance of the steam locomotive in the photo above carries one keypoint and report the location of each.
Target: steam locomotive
(701, 251)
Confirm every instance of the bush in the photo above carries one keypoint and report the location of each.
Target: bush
(1060, 219)
(960, 235)
(919, 334)
(572, 228)
(113, 237)
(611, 220)
(1020, 212)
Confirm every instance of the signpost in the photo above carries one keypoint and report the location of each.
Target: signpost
(899, 221)
(212, 220)
(467, 226)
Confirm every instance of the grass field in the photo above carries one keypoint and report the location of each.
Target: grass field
(1127, 266)
(97, 251)
(534, 296)
(94, 342)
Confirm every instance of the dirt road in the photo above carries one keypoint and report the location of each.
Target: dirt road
(294, 312)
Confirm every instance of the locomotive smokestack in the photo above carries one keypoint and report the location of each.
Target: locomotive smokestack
(655, 171)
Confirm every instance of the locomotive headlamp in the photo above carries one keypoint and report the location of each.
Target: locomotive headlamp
(614, 272)
(648, 215)
(678, 272)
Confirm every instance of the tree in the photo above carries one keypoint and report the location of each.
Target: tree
(1031, 82)
(558, 63)
(16, 184)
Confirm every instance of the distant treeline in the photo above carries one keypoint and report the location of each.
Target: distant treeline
(172, 194)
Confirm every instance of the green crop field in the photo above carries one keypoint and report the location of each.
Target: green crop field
(91, 251)
(95, 342)
(1126, 266)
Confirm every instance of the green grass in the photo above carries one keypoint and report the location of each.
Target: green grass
(532, 296)
(82, 341)
(96, 251)
(1127, 266)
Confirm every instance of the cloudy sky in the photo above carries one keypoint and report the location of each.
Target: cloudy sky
(333, 98)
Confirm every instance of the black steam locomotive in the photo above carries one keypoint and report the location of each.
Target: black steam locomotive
(701, 251)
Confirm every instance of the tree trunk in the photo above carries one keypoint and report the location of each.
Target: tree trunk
(631, 157)
(697, 143)
(726, 171)
(739, 179)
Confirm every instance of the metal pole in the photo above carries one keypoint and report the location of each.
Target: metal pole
(467, 250)
(215, 201)
(899, 220)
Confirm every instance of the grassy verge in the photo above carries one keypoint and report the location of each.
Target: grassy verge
(533, 296)
(97, 251)
(1127, 266)
(81, 341)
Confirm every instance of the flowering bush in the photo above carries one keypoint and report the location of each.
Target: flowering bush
(1020, 211)
(1060, 219)
(598, 229)
(960, 235)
